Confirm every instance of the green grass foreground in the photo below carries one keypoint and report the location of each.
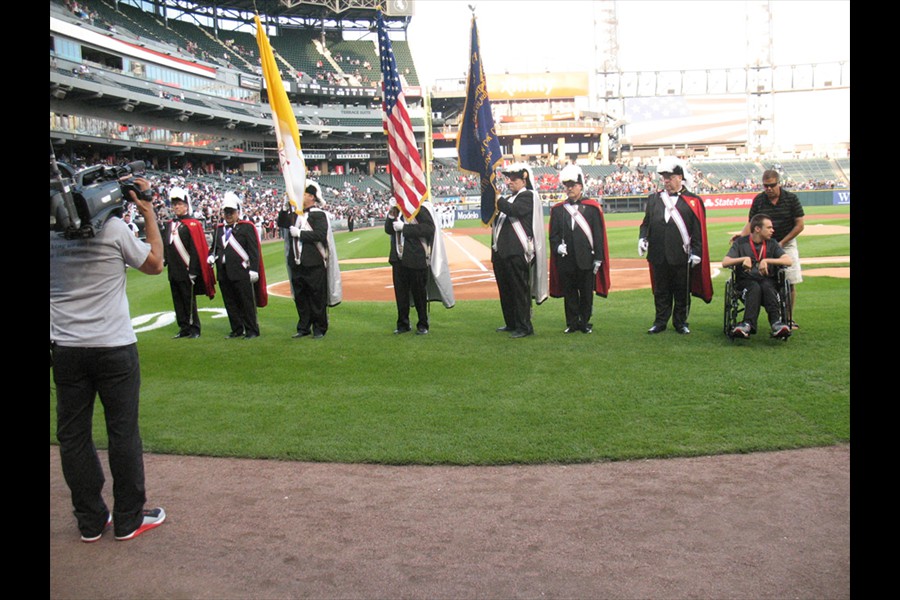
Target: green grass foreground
(467, 395)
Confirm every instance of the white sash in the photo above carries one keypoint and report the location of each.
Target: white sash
(675, 215)
(175, 240)
(518, 228)
(236, 246)
(578, 218)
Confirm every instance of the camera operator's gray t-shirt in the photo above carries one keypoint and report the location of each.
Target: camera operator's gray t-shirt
(88, 305)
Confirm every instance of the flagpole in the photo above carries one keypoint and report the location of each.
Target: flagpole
(429, 141)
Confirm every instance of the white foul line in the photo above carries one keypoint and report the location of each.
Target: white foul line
(467, 253)
(353, 240)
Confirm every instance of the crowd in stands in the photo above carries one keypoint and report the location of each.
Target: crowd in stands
(366, 205)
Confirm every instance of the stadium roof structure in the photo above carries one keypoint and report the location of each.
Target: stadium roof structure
(356, 15)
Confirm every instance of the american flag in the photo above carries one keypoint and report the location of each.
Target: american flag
(406, 165)
(686, 120)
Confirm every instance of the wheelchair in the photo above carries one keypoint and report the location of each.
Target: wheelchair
(734, 304)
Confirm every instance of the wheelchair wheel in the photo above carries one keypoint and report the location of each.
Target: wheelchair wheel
(731, 308)
(784, 302)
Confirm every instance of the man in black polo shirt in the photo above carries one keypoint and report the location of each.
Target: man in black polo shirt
(786, 212)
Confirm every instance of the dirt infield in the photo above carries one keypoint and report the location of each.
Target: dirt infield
(763, 525)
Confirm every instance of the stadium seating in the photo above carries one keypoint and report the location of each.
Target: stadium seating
(804, 171)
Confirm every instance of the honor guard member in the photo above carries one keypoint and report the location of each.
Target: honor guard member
(673, 235)
(579, 266)
(418, 264)
(312, 262)
(189, 274)
(238, 259)
(519, 252)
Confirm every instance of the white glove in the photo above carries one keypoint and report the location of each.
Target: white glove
(694, 260)
(643, 244)
(393, 202)
(295, 231)
(193, 279)
(597, 264)
(211, 260)
(254, 276)
(398, 225)
(561, 249)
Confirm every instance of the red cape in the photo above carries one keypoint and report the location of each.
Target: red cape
(701, 278)
(195, 228)
(601, 281)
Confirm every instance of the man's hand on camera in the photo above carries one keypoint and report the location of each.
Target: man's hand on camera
(144, 201)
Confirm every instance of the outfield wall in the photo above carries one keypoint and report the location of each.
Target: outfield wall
(469, 207)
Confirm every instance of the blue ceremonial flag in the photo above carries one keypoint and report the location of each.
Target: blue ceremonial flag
(477, 145)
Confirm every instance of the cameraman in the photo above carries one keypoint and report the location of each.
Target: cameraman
(94, 351)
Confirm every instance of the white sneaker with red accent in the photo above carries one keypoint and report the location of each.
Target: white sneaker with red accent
(153, 517)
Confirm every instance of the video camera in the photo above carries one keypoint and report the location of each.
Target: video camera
(82, 201)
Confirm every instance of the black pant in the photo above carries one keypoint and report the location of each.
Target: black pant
(578, 294)
(512, 275)
(410, 282)
(80, 374)
(240, 304)
(758, 291)
(185, 307)
(310, 286)
(670, 285)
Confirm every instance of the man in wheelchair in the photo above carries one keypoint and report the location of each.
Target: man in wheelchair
(756, 260)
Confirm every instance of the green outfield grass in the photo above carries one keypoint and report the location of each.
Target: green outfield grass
(467, 395)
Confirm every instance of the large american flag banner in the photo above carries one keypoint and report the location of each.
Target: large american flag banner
(686, 120)
(407, 176)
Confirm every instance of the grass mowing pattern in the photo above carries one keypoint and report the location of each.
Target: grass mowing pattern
(474, 396)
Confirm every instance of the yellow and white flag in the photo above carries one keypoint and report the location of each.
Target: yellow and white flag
(290, 157)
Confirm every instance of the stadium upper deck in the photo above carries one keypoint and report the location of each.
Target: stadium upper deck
(178, 87)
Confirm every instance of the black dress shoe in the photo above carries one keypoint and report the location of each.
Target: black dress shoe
(398, 331)
(504, 328)
(180, 335)
(194, 336)
(300, 334)
(318, 336)
(421, 331)
(250, 336)
(520, 334)
(571, 330)
(588, 329)
(683, 330)
(233, 335)
(657, 329)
